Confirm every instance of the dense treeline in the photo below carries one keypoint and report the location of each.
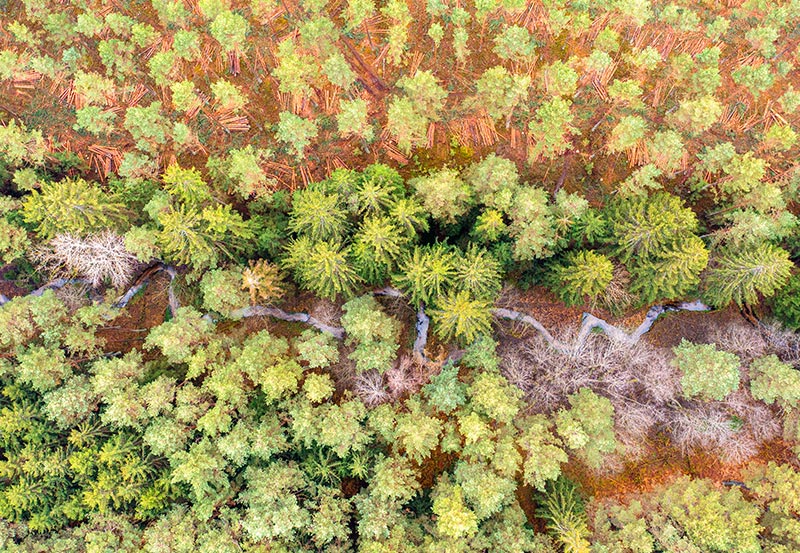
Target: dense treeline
(369, 162)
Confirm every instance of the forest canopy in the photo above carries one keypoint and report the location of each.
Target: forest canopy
(389, 276)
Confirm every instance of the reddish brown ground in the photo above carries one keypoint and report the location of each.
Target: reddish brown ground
(129, 330)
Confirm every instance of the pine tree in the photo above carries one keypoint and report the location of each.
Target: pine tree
(673, 273)
(741, 275)
(582, 274)
(317, 215)
(184, 239)
(426, 273)
(71, 206)
(460, 317)
(376, 247)
(325, 269)
(648, 226)
(478, 273)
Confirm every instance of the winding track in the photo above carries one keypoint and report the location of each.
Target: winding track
(588, 324)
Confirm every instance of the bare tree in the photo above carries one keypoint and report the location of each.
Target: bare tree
(370, 388)
(96, 258)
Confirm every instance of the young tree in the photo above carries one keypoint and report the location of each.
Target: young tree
(588, 426)
(707, 371)
(373, 333)
(443, 194)
(263, 281)
(773, 381)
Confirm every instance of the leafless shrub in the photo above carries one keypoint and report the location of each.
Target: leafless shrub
(406, 377)
(740, 338)
(634, 422)
(616, 298)
(370, 388)
(326, 312)
(783, 343)
(757, 418)
(96, 258)
(74, 296)
(701, 426)
(638, 372)
(738, 449)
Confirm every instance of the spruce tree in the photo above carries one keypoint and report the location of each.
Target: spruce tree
(741, 275)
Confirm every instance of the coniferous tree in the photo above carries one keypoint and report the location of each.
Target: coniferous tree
(740, 275)
(71, 206)
(462, 317)
(582, 274)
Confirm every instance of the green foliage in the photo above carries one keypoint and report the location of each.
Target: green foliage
(147, 126)
(786, 303)
(627, 133)
(409, 115)
(582, 274)
(14, 242)
(230, 30)
(562, 507)
(178, 338)
(222, 291)
(445, 392)
(647, 227)
(186, 185)
(454, 519)
(491, 394)
(672, 274)
(71, 206)
(713, 520)
(514, 43)
(707, 372)
(588, 426)
(696, 116)
(318, 349)
(774, 381)
(443, 194)
(740, 275)
(353, 119)
(296, 132)
(559, 79)
(543, 453)
(499, 92)
(373, 333)
(495, 180)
